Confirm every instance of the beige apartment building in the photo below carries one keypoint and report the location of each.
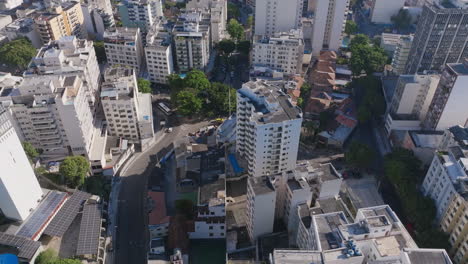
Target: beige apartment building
(59, 21)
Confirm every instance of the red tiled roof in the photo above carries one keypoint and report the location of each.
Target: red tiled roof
(346, 121)
(158, 213)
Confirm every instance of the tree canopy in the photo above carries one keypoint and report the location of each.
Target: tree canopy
(17, 53)
(49, 256)
(351, 27)
(365, 57)
(196, 95)
(144, 86)
(100, 51)
(235, 30)
(233, 10)
(74, 170)
(30, 151)
(373, 103)
(226, 46)
(359, 155)
(244, 47)
(402, 20)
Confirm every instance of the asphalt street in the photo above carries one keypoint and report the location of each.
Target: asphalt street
(131, 226)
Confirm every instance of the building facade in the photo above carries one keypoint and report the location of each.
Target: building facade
(59, 21)
(17, 177)
(329, 22)
(268, 128)
(98, 17)
(448, 106)
(140, 13)
(382, 10)
(401, 54)
(124, 47)
(283, 52)
(192, 41)
(158, 51)
(440, 38)
(217, 10)
(261, 199)
(277, 16)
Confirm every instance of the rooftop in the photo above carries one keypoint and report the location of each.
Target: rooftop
(212, 193)
(290, 256)
(157, 204)
(327, 227)
(261, 185)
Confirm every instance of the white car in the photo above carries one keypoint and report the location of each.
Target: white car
(169, 130)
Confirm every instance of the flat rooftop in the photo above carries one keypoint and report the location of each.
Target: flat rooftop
(328, 229)
(290, 256)
(212, 193)
(261, 185)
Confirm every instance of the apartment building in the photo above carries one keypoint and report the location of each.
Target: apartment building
(448, 106)
(17, 177)
(192, 41)
(329, 21)
(375, 235)
(98, 17)
(454, 222)
(440, 38)
(282, 52)
(140, 13)
(59, 21)
(9, 4)
(124, 47)
(210, 222)
(382, 10)
(158, 51)
(401, 54)
(268, 128)
(261, 199)
(411, 100)
(217, 10)
(448, 167)
(277, 16)
(120, 101)
(69, 56)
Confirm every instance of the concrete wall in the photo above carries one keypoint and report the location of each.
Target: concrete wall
(383, 10)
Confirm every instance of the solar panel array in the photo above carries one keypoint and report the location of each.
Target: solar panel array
(41, 215)
(90, 229)
(26, 247)
(62, 221)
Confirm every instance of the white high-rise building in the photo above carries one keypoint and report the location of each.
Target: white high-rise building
(124, 47)
(261, 199)
(329, 23)
(217, 10)
(277, 16)
(98, 17)
(122, 104)
(19, 189)
(448, 106)
(401, 54)
(283, 52)
(268, 128)
(158, 51)
(140, 13)
(192, 41)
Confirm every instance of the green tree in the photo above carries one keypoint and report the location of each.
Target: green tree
(359, 40)
(100, 51)
(233, 11)
(197, 80)
(144, 86)
(359, 155)
(226, 46)
(367, 58)
(351, 27)
(74, 169)
(46, 257)
(235, 30)
(30, 151)
(17, 53)
(188, 103)
(250, 21)
(218, 97)
(363, 113)
(244, 47)
(402, 20)
(67, 261)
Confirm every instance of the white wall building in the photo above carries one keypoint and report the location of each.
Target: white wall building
(140, 13)
(121, 103)
(329, 23)
(261, 199)
(98, 17)
(411, 101)
(218, 16)
(19, 189)
(10, 4)
(383, 10)
(124, 47)
(268, 128)
(192, 41)
(448, 106)
(211, 213)
(158, 51)
(448, 166)
(283, 52)
(401, 54)
(277, 16)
